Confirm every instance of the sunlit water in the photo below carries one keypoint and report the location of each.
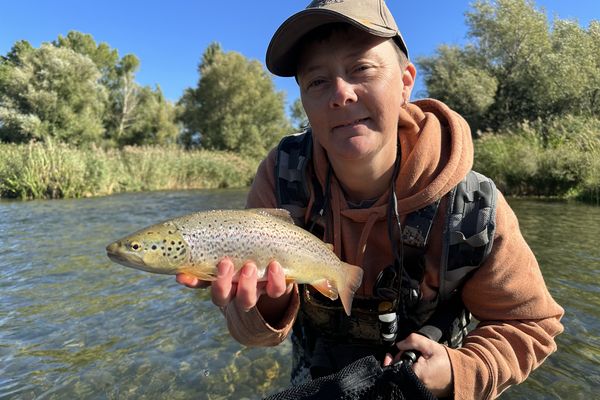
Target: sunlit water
(75, 325)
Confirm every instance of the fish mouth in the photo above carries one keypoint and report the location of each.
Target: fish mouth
(113, 248)
(112, 251)
(118, 258)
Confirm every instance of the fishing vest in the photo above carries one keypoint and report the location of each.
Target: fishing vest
(468, 235)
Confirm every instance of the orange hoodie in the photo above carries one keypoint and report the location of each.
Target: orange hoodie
(519, 318)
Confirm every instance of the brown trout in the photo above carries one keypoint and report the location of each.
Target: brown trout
(195, 243)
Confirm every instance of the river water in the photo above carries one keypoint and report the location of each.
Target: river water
(75, 325)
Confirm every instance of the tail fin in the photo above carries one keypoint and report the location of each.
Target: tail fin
(349, 283)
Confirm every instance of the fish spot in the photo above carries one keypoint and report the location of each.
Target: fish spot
(153, 247)
(172, 242)
(169, 248)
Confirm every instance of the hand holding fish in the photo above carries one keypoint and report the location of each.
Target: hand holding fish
(245, 290)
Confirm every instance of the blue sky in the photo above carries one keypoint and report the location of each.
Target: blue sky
(170, 36)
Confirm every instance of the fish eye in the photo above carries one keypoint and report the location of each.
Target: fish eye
(135, 246)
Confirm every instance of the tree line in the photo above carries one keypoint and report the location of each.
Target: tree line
(516, 68)
(75, 91)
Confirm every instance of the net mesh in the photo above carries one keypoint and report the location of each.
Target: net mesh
(364, 379)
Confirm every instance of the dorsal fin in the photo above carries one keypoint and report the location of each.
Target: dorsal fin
(279, 213)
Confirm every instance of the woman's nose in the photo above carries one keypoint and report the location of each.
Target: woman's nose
(342, 93)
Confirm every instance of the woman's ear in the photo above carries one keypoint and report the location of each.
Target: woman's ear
(408, 80)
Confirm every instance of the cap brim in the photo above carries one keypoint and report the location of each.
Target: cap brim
(282, 57)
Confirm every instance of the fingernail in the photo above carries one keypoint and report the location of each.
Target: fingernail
(249, 270)
(274, 268)
(193, 283)
(223, 269)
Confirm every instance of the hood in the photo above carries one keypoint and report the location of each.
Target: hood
(437, 153)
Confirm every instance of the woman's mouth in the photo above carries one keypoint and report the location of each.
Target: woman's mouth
(351, 123)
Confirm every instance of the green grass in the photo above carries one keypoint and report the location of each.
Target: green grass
(54, 170)
(559, 158)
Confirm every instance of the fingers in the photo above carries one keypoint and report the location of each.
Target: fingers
(433, 367)
(191, 281)
(276, 284)
(387, 360)
(244, 288)
(247, 290)
(223, 289)
(417, 342)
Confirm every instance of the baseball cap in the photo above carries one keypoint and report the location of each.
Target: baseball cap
(371, 16)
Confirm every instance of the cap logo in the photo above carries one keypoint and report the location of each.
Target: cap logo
(323, 3)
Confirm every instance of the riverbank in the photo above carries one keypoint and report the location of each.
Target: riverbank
(55, 170)
(559, 159)
(562, 164)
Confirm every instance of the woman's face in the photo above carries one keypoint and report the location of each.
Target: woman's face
(352, 88)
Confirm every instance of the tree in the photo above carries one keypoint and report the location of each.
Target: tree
(105, 58)
(50, 92)
(77, 91)
(134, 114)
(153, 122)
(299, 118)
(518, 67)
(124, 94)
(576, 56)
(235, 106)
(16, 53)
(456, 77)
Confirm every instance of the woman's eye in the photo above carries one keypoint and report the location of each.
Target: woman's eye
(361, 68)
(315, 83)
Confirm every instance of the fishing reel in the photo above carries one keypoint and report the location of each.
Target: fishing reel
(400, 294)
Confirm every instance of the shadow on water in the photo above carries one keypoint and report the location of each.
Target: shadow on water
(75, 325)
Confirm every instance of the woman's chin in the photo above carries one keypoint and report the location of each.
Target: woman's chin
(353, 148)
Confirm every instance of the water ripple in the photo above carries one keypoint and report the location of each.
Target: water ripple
(75, 325)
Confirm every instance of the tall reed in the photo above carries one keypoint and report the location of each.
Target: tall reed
(56, 170)
(556, 158)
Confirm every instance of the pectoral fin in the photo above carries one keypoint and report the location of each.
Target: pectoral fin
(202, 275)
(326, 288)
(289, 280)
